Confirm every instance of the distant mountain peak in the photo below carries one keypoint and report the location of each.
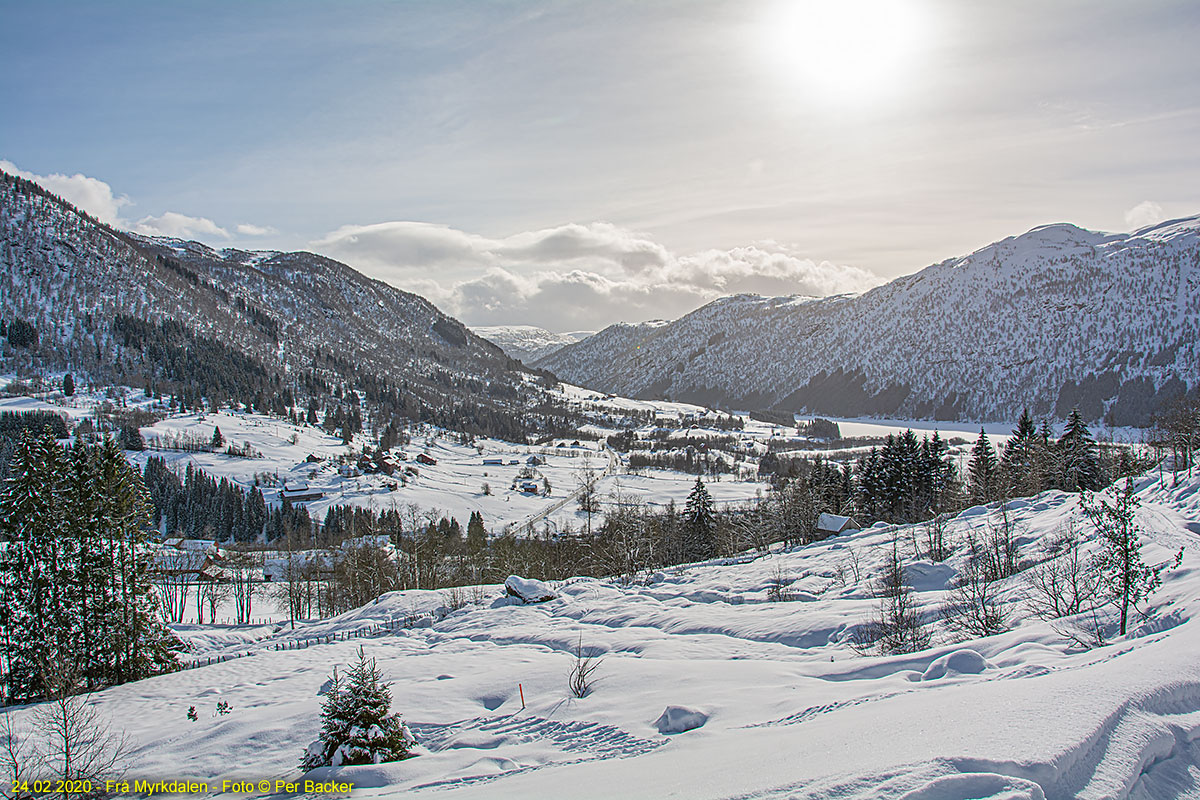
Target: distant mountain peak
(1055, 317)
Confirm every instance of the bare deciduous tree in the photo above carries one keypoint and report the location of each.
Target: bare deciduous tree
(69, 740)
(938, 545)
(245, 570)
(20, 761)
(1065, 583)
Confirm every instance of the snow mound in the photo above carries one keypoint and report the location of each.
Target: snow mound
(528, 590)
(677, 719)
(960, 662)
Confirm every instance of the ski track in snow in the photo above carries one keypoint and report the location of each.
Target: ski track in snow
(578, 741)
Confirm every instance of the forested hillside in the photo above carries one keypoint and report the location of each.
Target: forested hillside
(281, 332)
(1048, 320)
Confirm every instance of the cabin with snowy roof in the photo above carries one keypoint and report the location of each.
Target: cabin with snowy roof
(833, 524)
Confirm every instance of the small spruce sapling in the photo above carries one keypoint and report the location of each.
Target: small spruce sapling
(1124, 577)
(356, 724)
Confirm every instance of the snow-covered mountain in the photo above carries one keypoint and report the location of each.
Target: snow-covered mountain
(309, 321)
(528, 343)
(1055, 317)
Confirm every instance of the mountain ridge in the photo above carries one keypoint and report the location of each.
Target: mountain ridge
(1052, 318)
(314, 324)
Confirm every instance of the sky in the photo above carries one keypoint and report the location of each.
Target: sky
(573, 163)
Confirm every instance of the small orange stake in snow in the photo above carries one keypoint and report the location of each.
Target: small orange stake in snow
(522, 691)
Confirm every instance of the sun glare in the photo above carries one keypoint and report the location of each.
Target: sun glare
(846, 50)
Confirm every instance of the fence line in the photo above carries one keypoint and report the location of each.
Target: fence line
(300, 644)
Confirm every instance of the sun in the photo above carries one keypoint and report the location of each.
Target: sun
(845, 50)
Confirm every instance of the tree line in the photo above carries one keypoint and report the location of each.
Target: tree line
(75, 590)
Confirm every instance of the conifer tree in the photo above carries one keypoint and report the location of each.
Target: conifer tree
(476, 534)
(92, 603)
(218, 440)
(982, 470)
(74, 589)
(1124, 576)
(1078, 461)
(699, 523)
(1019, 462)
(34, 588)
(1046, 458)
(357, 726)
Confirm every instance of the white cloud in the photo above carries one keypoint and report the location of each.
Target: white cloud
(574, 276)
(1144, 213)
(181, 226)
(90, 194)
(96, 197)
(246, 229)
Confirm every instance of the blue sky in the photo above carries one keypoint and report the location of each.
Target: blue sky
(570, 164)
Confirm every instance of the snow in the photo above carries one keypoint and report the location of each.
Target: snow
(677, 719)
(1055, 310)
(528, 590)
(960, 662)
(790, 709)
(528, 343)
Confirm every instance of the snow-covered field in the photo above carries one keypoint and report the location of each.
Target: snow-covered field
(455, 485)
(788, 708)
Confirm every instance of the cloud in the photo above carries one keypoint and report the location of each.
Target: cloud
(575, 276)
(246, 229)
(1144, 213)
(90, 194)
(181, 226)
(404, 246)
(96, 197)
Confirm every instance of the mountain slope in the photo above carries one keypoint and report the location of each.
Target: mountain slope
(1056, 317)
(310, 322)
(528, 343)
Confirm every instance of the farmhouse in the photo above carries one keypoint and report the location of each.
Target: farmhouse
(830, 524)
(299, 493)
(427, 459)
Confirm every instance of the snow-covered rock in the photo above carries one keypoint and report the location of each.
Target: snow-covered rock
(678, 719)
(528, 590)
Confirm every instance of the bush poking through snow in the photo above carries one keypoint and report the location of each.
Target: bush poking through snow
(580, 680)
(973, 607)
(778, 586)
(356, 726)
(1066, 583)
(898, 628)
